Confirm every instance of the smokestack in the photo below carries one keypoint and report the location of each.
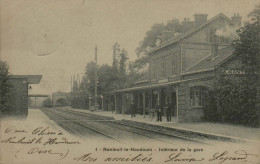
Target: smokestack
(236, 19)
(200, 19)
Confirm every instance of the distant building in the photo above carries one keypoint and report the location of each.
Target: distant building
(60, 98)
(182, 68)
(19, 94)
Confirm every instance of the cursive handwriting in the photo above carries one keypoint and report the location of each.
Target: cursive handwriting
(41, 151)
(12, 129)
(52, 141)
(174, 157)
(37, 150)
(86, 157)
(43, 131)
(138, 158)
(240, 155)
(23, 140)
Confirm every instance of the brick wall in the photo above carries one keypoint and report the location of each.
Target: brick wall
(186, 112)
(165, 55)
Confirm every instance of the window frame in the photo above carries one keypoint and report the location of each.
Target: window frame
(197, 93)
(174, 67)
(163, 67)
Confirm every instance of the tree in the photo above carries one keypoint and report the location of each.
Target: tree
(122, 68)
(247, 46)
(5, 86)
(150, 38)
(119, 75)
(90, 77)
(108, 79)
(133, 75)
(116, 51)
(156, 32)
(235, 98)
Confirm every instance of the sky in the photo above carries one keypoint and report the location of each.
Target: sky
(56, 39)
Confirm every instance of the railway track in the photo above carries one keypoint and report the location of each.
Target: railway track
(140, 128)
(148, 133)
(67, 119)
(106, 121)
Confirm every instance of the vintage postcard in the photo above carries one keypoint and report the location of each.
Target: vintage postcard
(129, 81)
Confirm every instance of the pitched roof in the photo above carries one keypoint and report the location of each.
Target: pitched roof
(188, 33)
(210, 62)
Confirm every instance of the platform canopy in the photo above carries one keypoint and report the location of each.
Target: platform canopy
(32, 79)
(37, 95)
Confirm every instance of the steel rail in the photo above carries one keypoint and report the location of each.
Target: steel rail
(93, 129)
(154, 131)
(170, 135)
(66, 126)
(85, 114)
(140, 134)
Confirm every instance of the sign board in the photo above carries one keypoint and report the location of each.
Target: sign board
(235, 72)
(163, 81)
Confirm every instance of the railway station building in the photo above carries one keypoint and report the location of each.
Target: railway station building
(183, 68)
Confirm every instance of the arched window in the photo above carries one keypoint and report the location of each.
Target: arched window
(197, 96)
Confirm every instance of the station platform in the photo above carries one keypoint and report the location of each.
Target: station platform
(218, 129)
(35, 119)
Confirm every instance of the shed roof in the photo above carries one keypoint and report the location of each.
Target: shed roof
(32, 79)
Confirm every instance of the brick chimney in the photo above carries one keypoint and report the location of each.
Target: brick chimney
(187, 24)
(236, 19)
(200, 19)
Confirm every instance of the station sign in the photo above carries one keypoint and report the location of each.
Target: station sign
(235, 72)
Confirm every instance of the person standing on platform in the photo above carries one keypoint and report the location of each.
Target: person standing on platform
(159, 111)
(168, 109)
(133, 108)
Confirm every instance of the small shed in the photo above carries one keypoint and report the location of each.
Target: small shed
(19, 94)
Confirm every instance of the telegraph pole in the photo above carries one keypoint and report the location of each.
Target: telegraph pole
(95, 76)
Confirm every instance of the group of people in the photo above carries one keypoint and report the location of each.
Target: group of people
(168, 109)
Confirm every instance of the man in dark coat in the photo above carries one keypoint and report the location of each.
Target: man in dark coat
(159, 111)
(168, 109)
(133, 109)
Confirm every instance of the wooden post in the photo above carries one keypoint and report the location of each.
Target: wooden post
(123, 104)
(115, 104)
(159, 95)
(143, 94)
(177, 104)
(151, 98)
(138, 99)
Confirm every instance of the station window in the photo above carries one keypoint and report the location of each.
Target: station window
(174, 65)
(153, 71)
(163, 67)
(197, 96)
